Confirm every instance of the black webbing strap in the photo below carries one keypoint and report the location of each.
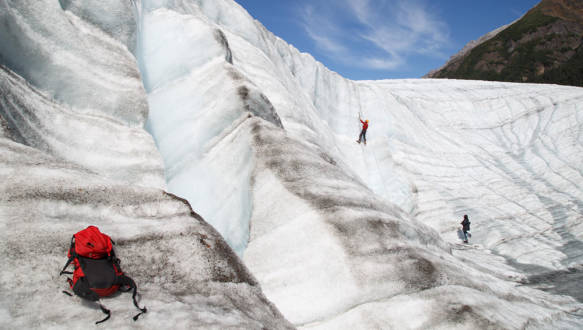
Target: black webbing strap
(105, 311)
(67, 265)
(73, 255)
(130, 282)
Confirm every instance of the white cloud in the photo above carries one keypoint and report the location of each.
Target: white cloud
(322, 31)
(360, 8)
(392, 29)
(383, 63)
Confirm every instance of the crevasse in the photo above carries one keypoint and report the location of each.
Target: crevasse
(196, 109)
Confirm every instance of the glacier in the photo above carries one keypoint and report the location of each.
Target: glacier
(165, 114)
(73, 153)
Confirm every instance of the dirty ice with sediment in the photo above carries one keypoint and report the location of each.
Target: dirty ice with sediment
(116, 113)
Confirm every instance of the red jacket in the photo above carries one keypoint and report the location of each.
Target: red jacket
(364, 125)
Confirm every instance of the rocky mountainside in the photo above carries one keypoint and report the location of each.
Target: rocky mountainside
(544, 46)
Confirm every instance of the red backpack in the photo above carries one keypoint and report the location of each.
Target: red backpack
(97, 272)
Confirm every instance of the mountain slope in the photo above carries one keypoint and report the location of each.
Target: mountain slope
(544, 46)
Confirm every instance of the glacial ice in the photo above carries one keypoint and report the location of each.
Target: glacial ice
(339, 232)
(73, 153)
(197, 107)
(260, 139)
(72, 60)
(60, 72)
(186, 273)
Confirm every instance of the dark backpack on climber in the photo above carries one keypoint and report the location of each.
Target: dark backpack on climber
(97, 272)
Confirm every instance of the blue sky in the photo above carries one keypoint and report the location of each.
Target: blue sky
(379, 39)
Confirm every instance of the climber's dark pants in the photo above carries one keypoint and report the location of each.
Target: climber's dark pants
(362, 136)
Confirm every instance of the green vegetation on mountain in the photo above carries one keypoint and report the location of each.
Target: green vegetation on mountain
(544, 46)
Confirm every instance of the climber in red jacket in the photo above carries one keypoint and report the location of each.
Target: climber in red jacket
(362, 136)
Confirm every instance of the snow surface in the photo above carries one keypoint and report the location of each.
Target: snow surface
(260, 139)
(187, 275)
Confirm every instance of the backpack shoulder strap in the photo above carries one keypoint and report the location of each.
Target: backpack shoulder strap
(67, 265)
(126, 280)
(105, 311)
(72, 254)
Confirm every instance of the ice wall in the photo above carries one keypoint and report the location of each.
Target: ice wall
(427, 141)
(435, 147)
(507, 154)
(199, 104)
(71, 88)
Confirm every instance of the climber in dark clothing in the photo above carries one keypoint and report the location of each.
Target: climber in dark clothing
(466, 227)
(362, 135)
